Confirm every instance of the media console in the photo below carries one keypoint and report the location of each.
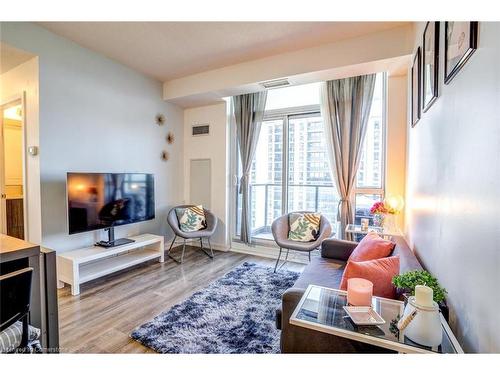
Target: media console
(79, 266)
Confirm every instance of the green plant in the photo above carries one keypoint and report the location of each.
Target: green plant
(408, 280)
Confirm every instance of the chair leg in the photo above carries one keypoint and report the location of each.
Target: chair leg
(183, 250)
(277, 261)
(170, 248)
(172, 244)
(211, 255)
(210, 245)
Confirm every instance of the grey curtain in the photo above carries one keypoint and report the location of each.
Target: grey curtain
(248, 114)
(345, 108)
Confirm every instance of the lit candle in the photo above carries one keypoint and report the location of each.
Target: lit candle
(359, 292)
(424, 296)
(364, 224)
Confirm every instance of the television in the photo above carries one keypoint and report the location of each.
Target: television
(106, 200)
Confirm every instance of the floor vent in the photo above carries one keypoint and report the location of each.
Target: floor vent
(201, 129)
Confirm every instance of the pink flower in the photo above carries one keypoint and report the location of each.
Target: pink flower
(379, 208)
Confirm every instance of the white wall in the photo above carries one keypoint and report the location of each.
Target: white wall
(213, 147)
(97, 115)
(24, 78)
(453, 192)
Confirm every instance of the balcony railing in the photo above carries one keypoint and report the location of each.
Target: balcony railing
(260, 198)
(313, 197)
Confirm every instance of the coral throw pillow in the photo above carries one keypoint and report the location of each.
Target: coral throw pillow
(379, 271)
(372, 247)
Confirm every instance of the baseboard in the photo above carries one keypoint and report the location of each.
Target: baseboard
(270, 252)
(255, 250)
(196, 243)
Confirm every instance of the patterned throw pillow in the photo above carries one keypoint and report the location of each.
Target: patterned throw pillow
(304, 227)
(191, 218)
(10, 338)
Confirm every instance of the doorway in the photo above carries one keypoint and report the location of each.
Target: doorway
(12, 170)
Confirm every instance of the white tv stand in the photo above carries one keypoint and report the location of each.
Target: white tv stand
(79, 266)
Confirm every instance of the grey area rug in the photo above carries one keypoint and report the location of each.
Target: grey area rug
(235, 314)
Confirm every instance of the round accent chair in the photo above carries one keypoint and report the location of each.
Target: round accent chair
(281, 227)
(207, 232)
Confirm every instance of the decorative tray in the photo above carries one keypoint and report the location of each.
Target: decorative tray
(364, 315)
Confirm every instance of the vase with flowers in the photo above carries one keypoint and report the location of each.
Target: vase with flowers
(378, 211)
(384, 213)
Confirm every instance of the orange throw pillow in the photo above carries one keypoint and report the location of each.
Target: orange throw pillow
(379, 271)
(372, 247)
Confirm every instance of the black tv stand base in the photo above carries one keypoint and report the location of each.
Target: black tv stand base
(111, 242)
(118, 242)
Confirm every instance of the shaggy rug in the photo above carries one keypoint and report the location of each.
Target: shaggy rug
(235, 314)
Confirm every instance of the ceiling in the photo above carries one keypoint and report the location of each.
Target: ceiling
(11, 57)
(168, 50)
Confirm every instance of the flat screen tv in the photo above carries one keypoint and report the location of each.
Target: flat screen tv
(106, 200)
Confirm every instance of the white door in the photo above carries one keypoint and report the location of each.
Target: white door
(12, 185)
(3, 196)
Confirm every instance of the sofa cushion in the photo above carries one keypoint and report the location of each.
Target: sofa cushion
(372, 246)
(379, 271)
(304, 227)
(322, 272)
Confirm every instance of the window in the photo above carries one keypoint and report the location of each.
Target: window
(290, 171)
(370, 177)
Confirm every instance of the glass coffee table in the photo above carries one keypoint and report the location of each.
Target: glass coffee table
(321, 309)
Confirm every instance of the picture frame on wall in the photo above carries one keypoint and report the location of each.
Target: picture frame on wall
(460, 43)
(430, 65)
(415, 87)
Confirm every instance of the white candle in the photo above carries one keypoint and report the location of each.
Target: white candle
(423, 296)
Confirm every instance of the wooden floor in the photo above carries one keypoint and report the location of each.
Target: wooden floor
(100, 319)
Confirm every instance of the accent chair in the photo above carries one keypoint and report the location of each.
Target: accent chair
(281, 227)
(201, 234)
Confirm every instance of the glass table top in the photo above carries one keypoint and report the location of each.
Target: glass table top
(355, 228)
(324, 307)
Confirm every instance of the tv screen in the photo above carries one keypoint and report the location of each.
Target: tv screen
(102, 200)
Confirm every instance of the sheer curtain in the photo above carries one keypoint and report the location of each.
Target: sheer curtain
(248, 110)
(345, 108)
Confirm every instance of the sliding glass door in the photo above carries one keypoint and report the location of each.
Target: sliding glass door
(290, 171)
(309, 184)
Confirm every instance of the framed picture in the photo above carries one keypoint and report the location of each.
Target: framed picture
(415, 88)
(460, 43)
(430, 65)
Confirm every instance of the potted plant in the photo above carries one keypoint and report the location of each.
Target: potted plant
(406, 283)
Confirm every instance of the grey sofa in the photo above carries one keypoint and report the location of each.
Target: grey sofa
(327, 271)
